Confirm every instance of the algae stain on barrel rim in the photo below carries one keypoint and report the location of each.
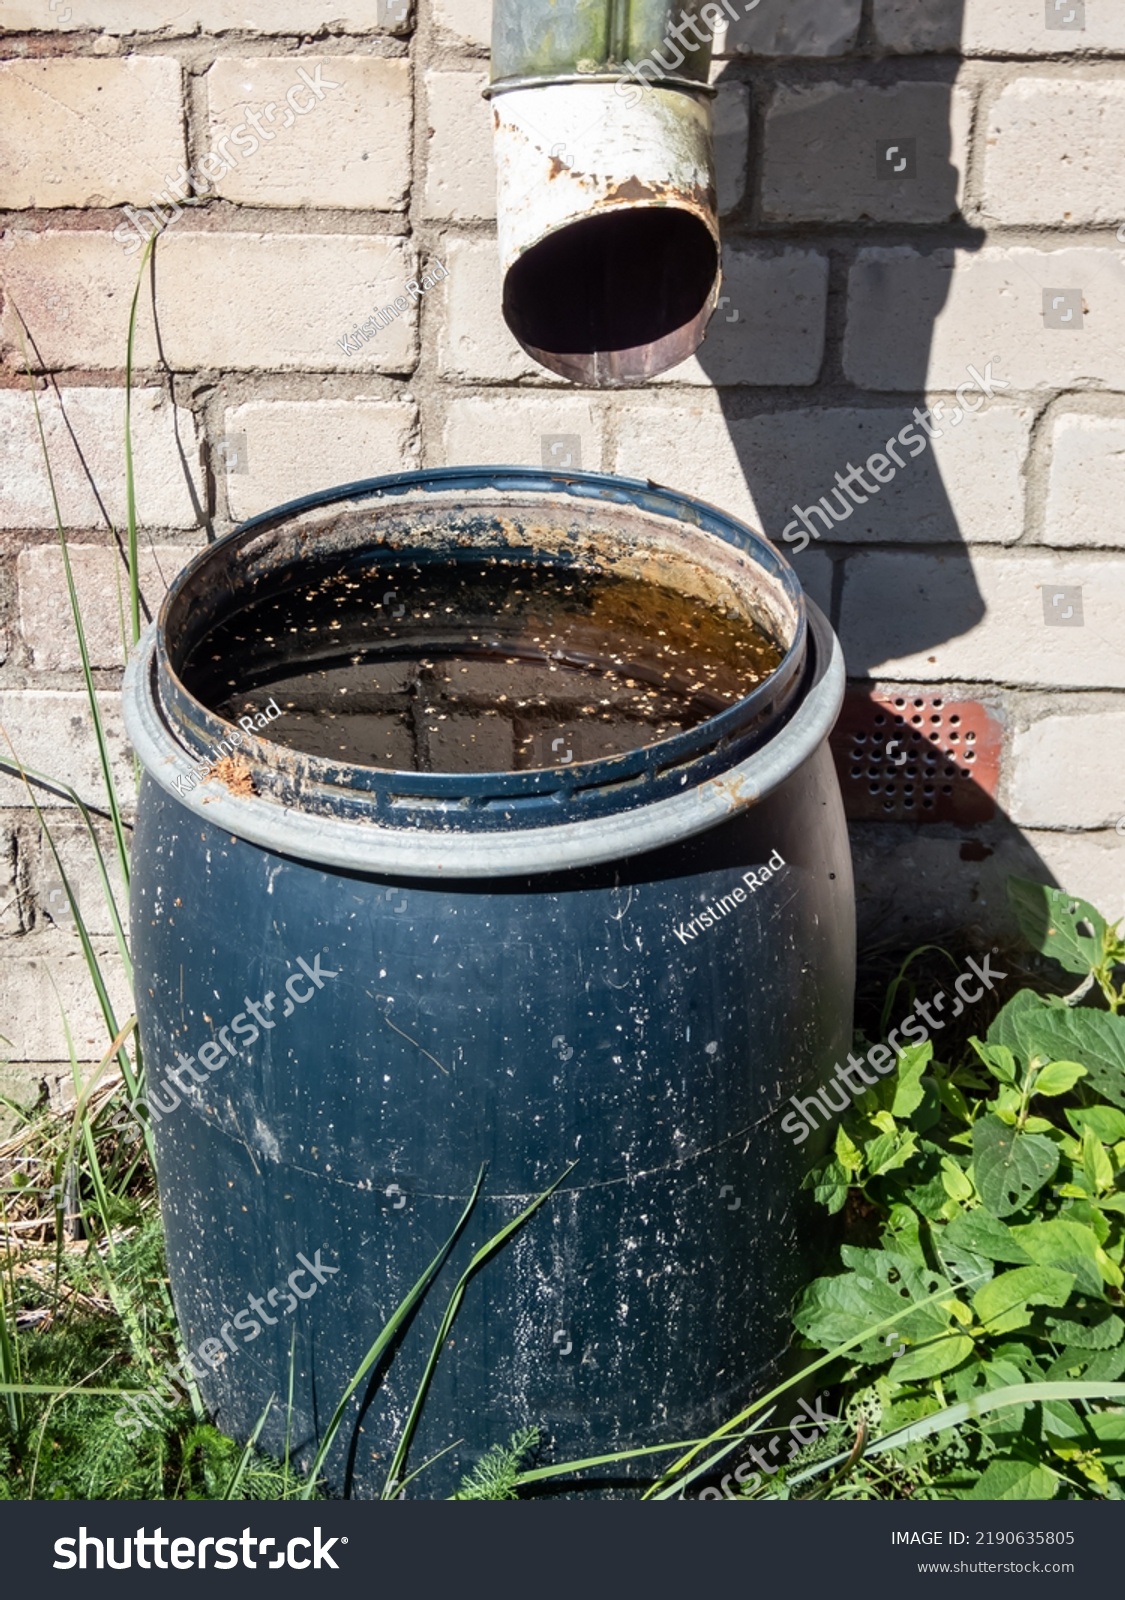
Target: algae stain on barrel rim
(510, 989)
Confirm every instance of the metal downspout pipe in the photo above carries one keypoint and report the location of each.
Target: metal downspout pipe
(608, 227)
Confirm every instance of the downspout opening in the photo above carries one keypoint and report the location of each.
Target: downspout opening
(607, 217)
(616, 297)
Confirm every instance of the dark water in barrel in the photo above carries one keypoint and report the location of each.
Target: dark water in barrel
(483, 667)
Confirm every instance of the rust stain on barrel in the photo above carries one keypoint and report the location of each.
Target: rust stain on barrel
(736, 791)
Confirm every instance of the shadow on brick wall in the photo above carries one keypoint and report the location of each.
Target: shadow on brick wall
(857, 158)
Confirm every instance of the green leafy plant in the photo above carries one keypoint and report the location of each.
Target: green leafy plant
(985, 1204)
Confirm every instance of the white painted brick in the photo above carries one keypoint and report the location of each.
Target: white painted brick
(470, 20)
(14, 912)
(51, 731)
(814, 568)
(912, 881)
(941, 619)
(797, 28)
(281, 301)
(165, 459)
(72, 842)
(995, 27)
(693, 448)
(204, 16)
(1086, 496)
(74, 289)
(102, 581)
(88, 132)
(1053, 147)
(730, 116)
(475, 345)
(294, 447)
(917, 321)
(228, 300)
(349, 149)
(526, 430)
(49, 977)
(1067, 771)
(968, 486)
(915, 882)
(822, 143)
(910, 26)
(460, 171)
(1090, 865)
(769, 329)
(24, 1084)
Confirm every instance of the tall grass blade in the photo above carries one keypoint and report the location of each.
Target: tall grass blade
(289, 1399)
(93, 964)
(130, 485)
(566, 1468)
(120, 1300)
(30, 776)
(10, 1373)
(702, 1468)
(405, 1307)
(62, 1389)
(425, 1467)
(80, 633)
(232, 1488)
(900, 978)
(486, 1251)
(1016, 1394)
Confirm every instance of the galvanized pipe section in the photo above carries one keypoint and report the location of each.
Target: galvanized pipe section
(608, 228)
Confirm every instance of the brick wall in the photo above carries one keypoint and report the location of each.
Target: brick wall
(854, 296)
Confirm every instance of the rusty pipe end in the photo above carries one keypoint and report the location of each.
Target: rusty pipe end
(609, 236)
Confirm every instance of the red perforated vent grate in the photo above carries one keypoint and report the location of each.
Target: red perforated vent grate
(917, 757)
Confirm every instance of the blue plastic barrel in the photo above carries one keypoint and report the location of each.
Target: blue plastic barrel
(356, 987)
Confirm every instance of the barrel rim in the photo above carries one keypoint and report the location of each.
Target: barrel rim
(644, 494)
(497, 800)
(343, 844)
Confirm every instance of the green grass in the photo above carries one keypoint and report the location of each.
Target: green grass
(87, 1330)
